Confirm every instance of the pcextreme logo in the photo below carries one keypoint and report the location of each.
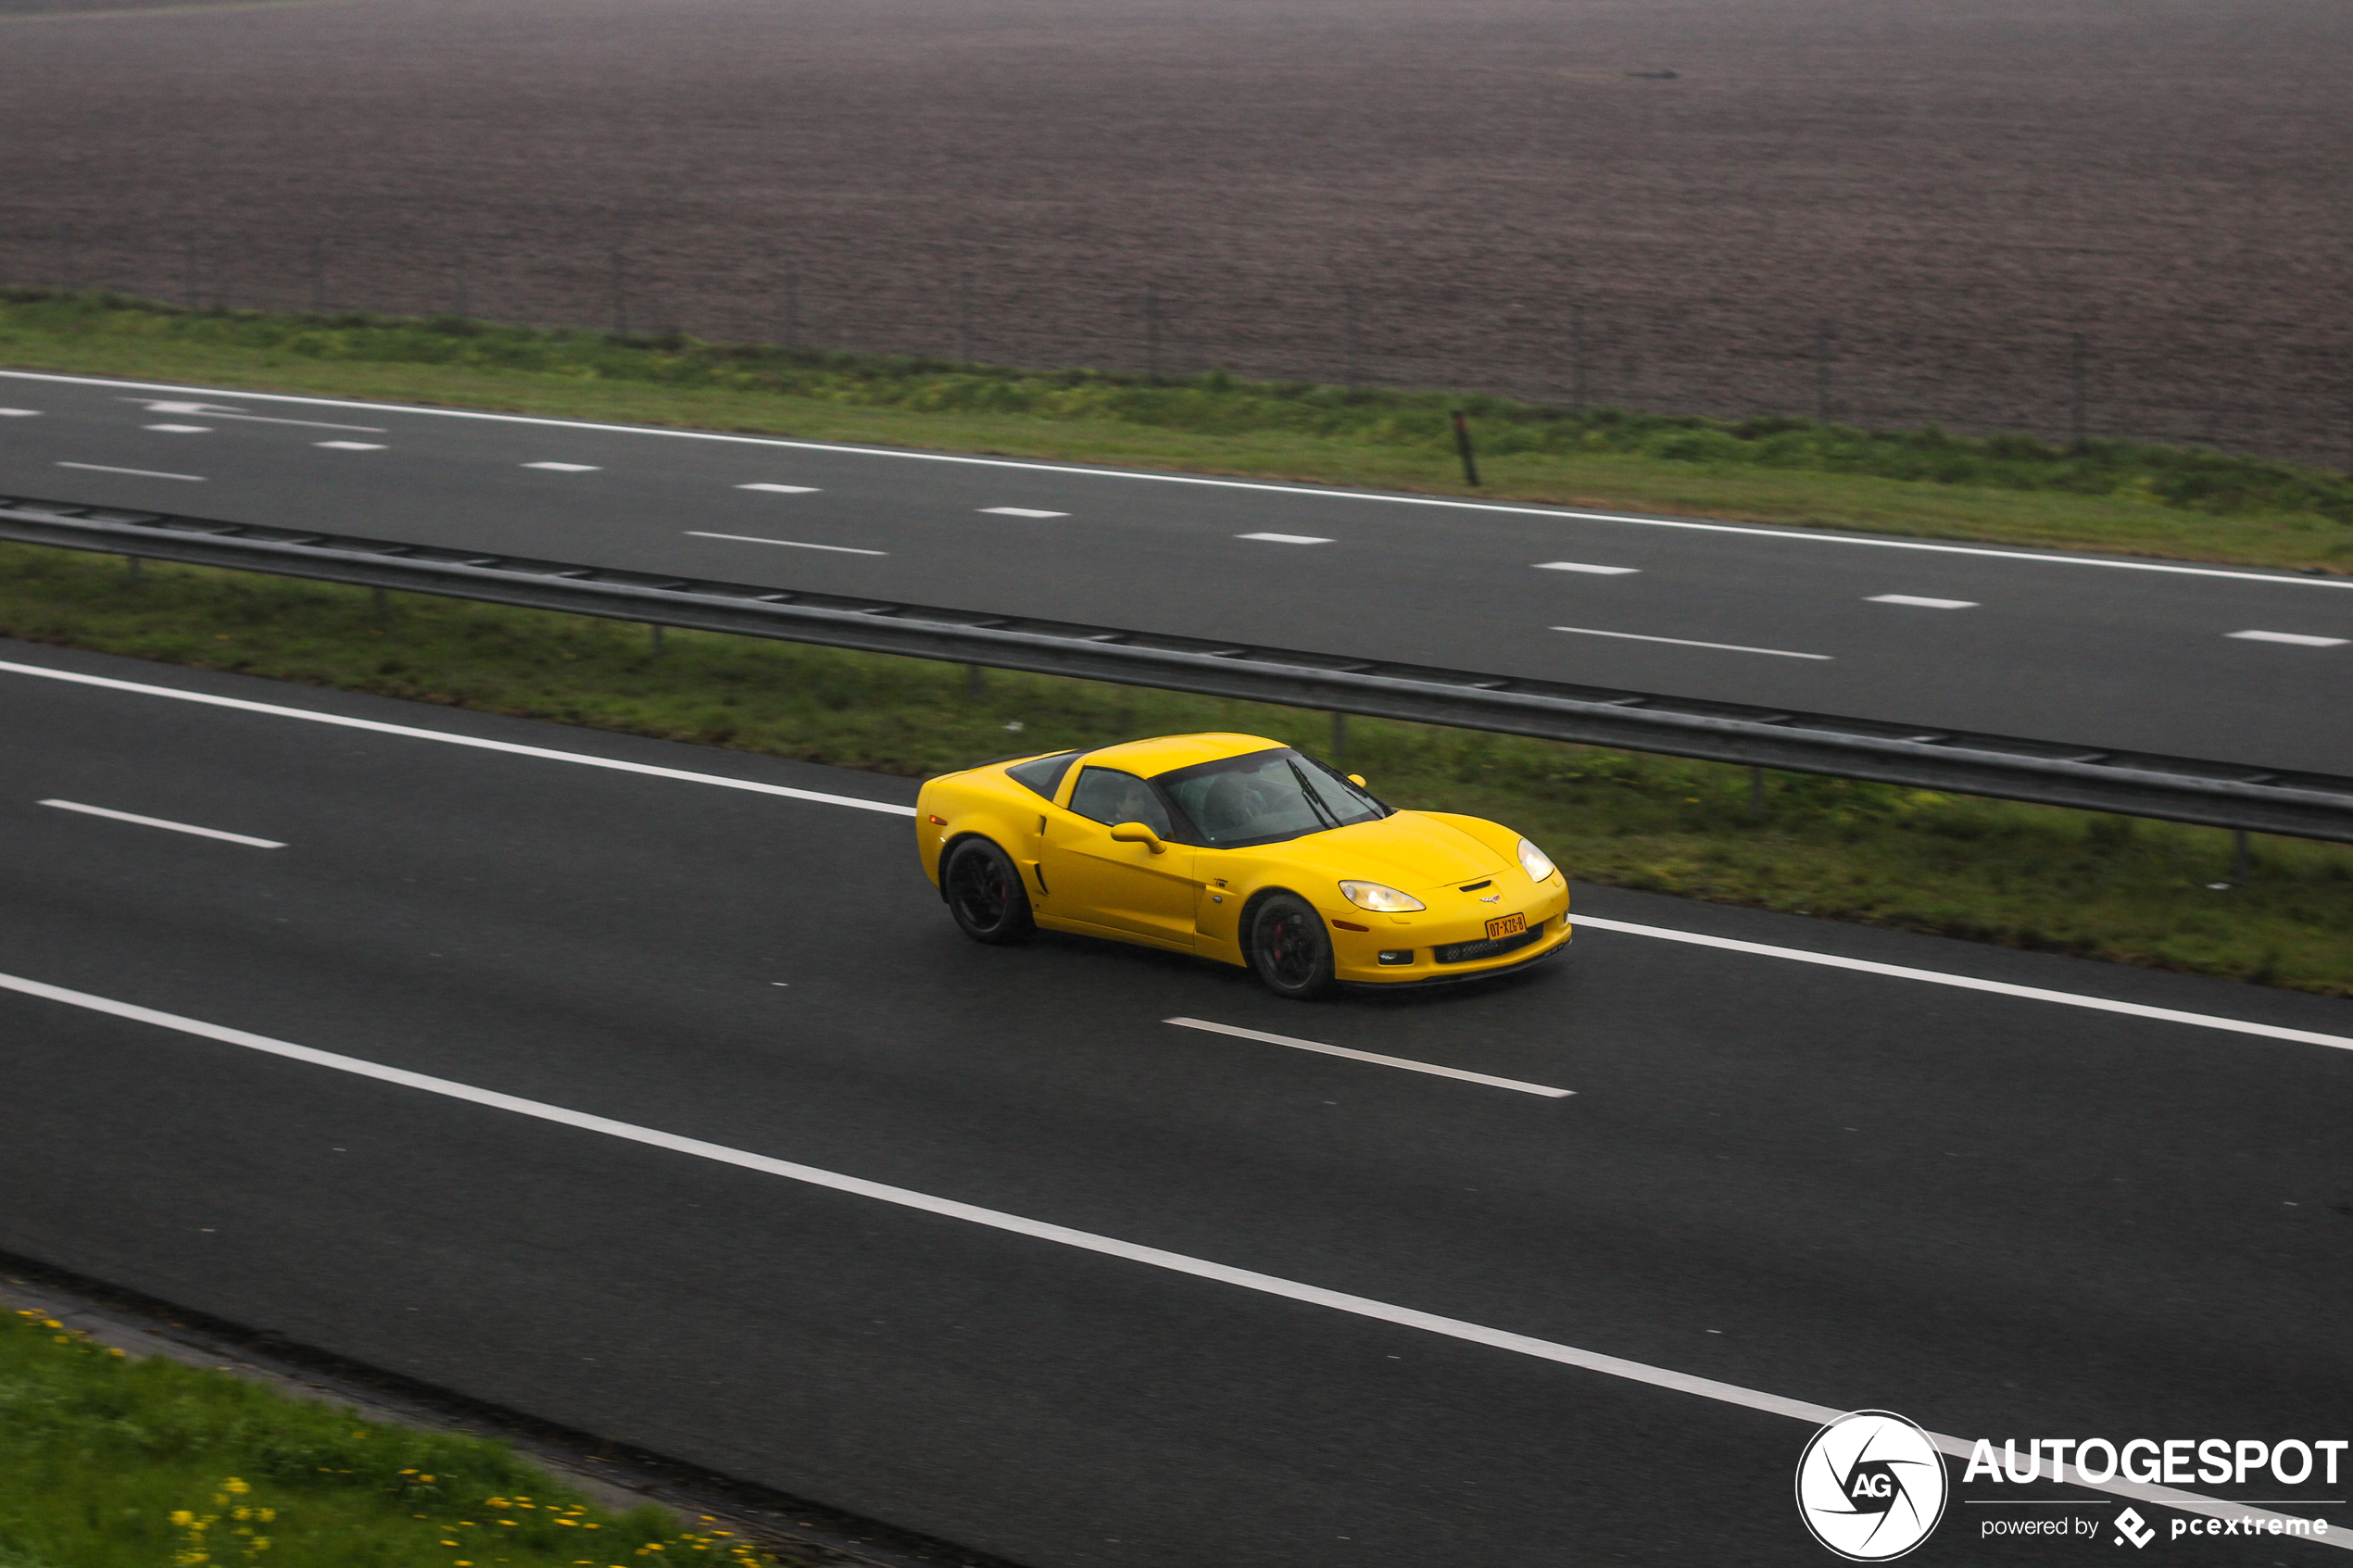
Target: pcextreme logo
(1870, 1486)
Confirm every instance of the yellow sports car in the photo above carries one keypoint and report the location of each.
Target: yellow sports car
(1238, 848)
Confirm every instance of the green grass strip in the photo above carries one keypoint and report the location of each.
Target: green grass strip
(107, 1461)
(2025, 876)
(2109, 496)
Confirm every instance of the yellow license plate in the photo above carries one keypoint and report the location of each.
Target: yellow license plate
(1507, 925)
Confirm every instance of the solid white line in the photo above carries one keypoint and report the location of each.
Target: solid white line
(1686, 642)
(209, 412)
(183, 430)
(1285, 538)
(1581, 566)
(564, 468)
(747, 539)
(350, 446)
(142, 473)
(1086, 1241)
(1020, 511)
(160, 823)
(1916, 600)
(1809, 536)
(510, 748)
(1970, 983)
(2298, 638)
(783, 489)
(1369, 1055)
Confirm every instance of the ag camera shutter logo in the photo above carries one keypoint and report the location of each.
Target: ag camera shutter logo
(1871, 1485)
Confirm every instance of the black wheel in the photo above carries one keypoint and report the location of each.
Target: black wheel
(1289, 948)
(984, 893)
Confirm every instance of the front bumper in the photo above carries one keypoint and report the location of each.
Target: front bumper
(1356, 955)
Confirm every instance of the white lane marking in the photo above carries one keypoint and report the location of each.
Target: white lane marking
(350, 446)
(510, 748)
(183, 430)
(160, 823)
(2298, 638)
(1085, 1241)
(209, 412)
(783, 489)
(564, 468)
(20, 413)
(1368, 1056)
(1020, 511)
(794, 543)
(1285, 538)
(1581, 566)
(1686, 642)
(142, 473)
(1917, 601)
(1824, 536)
(1970, 983)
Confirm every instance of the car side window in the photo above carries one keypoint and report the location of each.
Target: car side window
(1110, 796)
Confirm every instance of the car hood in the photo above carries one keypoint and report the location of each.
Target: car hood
(1408, 851)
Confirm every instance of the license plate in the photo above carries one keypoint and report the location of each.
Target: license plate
(1507, 925)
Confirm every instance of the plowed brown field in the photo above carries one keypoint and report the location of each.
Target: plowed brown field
(1901, 210)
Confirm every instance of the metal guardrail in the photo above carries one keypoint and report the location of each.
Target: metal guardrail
(2180, 789)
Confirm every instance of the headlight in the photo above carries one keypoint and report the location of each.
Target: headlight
(1534, 863)
(1384, 899)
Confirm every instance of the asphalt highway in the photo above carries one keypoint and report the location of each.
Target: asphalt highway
(722, 1002)
(2215, 662)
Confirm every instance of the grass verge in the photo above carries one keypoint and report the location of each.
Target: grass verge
(2024, 876)
(2109, 496)
(107, 1461)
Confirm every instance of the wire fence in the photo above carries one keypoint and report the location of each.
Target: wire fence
(2275, 395)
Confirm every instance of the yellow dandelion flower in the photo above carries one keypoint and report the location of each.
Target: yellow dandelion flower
(424, 1478)
(182, 1518)
(240, 1487)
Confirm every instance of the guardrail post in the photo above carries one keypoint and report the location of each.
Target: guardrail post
(657, 632)
(1340, 741)
(381, 605)
(1756, 791)
(134, 562)
(975, 680)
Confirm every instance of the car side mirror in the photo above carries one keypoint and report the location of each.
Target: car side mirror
(1358, 780)
(1137, 833)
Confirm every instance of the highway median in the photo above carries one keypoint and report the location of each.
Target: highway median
(2039, 878)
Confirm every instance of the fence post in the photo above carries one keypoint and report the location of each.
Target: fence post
(1151, 332)
(1576, 358)
(1463, 445)
(1822, 374)
(2077, 374)
(620, 297)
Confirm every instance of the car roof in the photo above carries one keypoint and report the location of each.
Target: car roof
(1167, 753)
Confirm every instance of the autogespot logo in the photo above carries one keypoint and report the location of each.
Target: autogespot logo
(1870, 1486)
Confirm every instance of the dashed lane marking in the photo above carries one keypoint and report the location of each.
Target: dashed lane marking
(160, 823)
(1688, 642)
(350, 446)
(1274, 1286)
(1409, 1065)
(564, 468)
(1918, 602)
(208, 410)
(142, 473)
(782, 489)
(183, 430)
(790, 544)
(1020, 511)
(1582, 566)
(20, 413)
(1285, 538)
(2298, 638)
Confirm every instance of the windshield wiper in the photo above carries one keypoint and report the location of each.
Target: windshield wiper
(1322, 812)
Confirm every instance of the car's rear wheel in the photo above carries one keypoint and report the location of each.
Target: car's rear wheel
(984, 893)
(1290, 949)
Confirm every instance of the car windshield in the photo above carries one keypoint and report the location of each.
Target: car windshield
(1266, 797)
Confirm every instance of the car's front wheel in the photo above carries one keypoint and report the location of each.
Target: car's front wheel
(1290, 949)
(984, 893)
